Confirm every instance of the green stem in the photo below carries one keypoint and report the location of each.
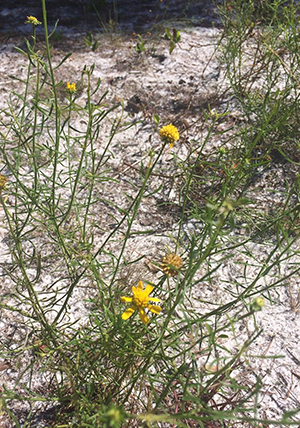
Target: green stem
(189, 182)
(56, 107)
(135, 206)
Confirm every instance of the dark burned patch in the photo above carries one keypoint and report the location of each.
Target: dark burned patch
(179, 104)
(86, 15)
(186, 100)
(171, 211)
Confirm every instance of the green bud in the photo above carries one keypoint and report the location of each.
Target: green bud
(257, 304)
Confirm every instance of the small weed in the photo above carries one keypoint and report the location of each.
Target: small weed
(173, 36)
(91, 42)
(140, 45)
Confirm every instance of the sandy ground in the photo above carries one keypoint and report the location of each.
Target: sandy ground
(177, 87)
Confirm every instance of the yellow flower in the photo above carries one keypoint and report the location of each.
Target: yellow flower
(32, 20)
(257, 304)
(71, 88)
(140, 301)
(3, 181)
(171, 264)
(169, 134)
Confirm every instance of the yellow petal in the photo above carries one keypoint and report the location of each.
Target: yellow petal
(148, 289)
(143, 316)
(127, 314)
(155, 309)
(138, 289)
(125, 299)
(140, 286)
(154, 299)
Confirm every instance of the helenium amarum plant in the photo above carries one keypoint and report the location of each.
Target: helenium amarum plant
(179, 353)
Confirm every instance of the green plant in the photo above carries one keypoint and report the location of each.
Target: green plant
(174, 38)
(90, 42)
(140, 45)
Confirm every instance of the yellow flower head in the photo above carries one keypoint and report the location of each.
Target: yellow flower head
(257, 304)
(171, 264)
(3, 181)
(32, 20)
(169, 134)
(140, 301)
(71, 88)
